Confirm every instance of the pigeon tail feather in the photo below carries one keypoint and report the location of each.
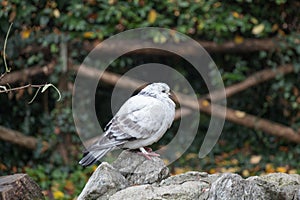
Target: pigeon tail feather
(92, 157)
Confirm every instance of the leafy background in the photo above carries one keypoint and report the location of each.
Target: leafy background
(40, 27)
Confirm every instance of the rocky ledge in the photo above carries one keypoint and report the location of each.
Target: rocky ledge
(132, 176)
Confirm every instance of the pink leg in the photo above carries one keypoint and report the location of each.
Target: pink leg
(148, 154)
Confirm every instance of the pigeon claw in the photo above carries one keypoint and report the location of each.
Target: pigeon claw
(148, 154)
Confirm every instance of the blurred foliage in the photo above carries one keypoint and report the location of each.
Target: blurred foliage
(41, 26)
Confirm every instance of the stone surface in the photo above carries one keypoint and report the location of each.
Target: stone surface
(19, 186)
(233, 186)
(276, 186)
(191, 185)
(139, 170)
(132, 176)
(104, 182)
(279, 185)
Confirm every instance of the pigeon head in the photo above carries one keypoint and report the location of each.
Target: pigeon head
(156, 90)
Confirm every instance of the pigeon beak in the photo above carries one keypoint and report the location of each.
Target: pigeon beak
(173, 97)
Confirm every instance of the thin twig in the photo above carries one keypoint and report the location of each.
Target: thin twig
(4, 48)
(2, 75)
(21, 87)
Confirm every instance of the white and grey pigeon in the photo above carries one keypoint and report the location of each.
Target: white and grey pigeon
(141, 121)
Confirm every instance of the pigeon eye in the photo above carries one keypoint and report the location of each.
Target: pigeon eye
(164, 91)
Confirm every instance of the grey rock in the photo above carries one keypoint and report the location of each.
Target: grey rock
(276, 186)
(188, 176)
(139, 170)
(132, 176)
(187, 190)
(191, 185)
(234, 187)
(279, 185)
(104, 182)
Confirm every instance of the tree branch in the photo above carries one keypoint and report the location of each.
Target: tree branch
(248, 45)
(242, 118)
(255, 79)
(235, 116)
(25, 74)
(20, 139)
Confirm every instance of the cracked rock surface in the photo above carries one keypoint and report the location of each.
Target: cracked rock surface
(132, 176)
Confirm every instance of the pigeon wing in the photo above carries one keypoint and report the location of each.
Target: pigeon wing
(139, 118)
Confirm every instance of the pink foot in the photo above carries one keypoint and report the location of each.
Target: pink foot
(148, 153)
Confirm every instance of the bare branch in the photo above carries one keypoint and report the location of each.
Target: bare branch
(248, 45)
(241, 118)
(255, 79)
(20, 139)
(235, 116)
(24, 75)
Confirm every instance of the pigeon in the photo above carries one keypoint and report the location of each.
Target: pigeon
(141, 121)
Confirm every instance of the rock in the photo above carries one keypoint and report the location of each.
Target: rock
(132, 176)
(191, 185)
(188, 190)
(189, 176)
(139, 170)
(234, 187)
(276, 186)
(279, 185)
(104, 182)
(19, 186)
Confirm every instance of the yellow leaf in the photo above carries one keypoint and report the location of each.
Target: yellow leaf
(200, 25)
(212, 171)
(234, 161)
(238, 39)
(56, 13)
(258, 29)
(94, 167)
(269, 168)
(191, 156)
(245, 173)
(292, 171)
(253, 20)
(233, 169)
(152, 16)
(281, 169)
(25, 34)
(178, 170)
(205, 103)
(275, 27)
(255, 159)
(88, 34)
(235, 14)
(239, 114)
(58, 194)
(69, 186)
